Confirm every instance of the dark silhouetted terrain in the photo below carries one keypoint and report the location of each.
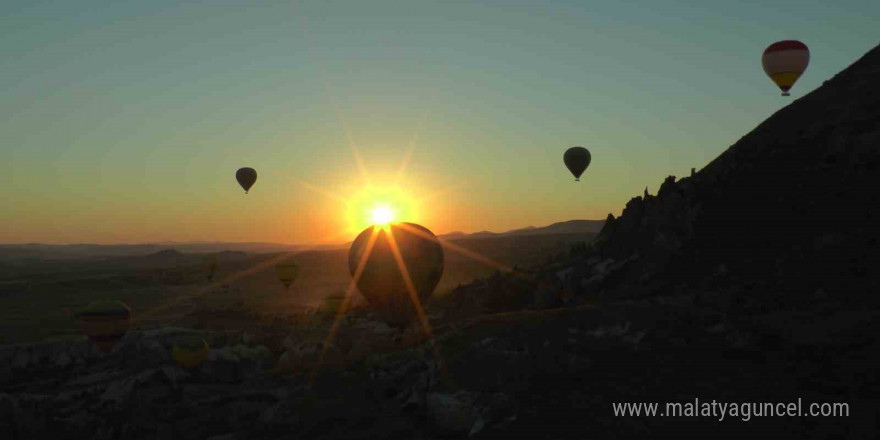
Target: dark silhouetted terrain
(753, 281)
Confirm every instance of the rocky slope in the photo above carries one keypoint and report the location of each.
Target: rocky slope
(791, 207)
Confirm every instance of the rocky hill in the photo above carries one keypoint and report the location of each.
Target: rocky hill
(791, 207)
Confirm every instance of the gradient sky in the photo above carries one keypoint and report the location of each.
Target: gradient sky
(124, 121)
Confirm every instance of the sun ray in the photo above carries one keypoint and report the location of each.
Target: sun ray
(334, 102)
(475, 256)
(346, 302)
(319, 190)
(414, 297)
(410, 288)
(417, 134)
(455, 248)
(404, 163)
(327, 240)
(174, 302)
(443, 191)
(355, 152)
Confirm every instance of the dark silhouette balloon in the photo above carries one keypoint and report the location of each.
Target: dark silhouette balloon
(382, 282)
(246, 178)
(286, 271)
(210, 266)
(189, 351)
(105, 323)
(333, 302)
(784, 62)
(577, 159)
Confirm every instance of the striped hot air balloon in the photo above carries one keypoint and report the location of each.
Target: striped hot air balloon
(785, 62)
(105, 323)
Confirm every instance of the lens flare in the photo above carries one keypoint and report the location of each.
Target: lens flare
(382, 215)
(380, 205)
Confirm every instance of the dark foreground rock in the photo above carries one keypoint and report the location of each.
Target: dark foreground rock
(530, 374)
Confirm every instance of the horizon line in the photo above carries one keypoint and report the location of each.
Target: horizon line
(205, 242)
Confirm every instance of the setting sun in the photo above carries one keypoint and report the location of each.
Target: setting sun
(380, 205)
(382, 215)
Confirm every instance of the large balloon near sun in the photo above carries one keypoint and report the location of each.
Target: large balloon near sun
(382, 283)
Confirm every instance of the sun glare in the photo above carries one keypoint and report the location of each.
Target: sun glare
(380, 205)
(382, 215)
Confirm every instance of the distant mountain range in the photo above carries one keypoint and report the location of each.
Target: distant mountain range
(165, 250)
(568, 227)
(77, 251)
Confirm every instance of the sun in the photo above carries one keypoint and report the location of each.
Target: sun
(382, 215)
(381, 205)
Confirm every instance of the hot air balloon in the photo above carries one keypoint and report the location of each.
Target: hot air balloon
(210, 266)
(189, 351)
(333, 302)
(105, 323)
(784, 62)
(577, 159)
(382, 283)
(246, 178)
(287, 272)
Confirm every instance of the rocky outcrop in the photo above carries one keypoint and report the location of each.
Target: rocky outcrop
(652, 225)
(781, 206)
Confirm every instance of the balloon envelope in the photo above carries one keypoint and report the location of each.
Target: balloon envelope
(784, 62)
(210, 266)
(287, 272)
(246, 178)
(105, 323)
(577, 159)
(189, 351)
(333, 302)
(382, 282)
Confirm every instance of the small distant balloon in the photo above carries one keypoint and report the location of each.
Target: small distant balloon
(784, 62)
(287, 272)
(105, 323)
(246, 178)
(382, 281)
(333, 302)
(210, 266)
(189, 351)
(577, 159)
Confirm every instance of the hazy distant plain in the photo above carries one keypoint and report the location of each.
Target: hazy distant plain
(39, 297)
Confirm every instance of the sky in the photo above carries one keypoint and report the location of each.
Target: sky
(124, 121)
